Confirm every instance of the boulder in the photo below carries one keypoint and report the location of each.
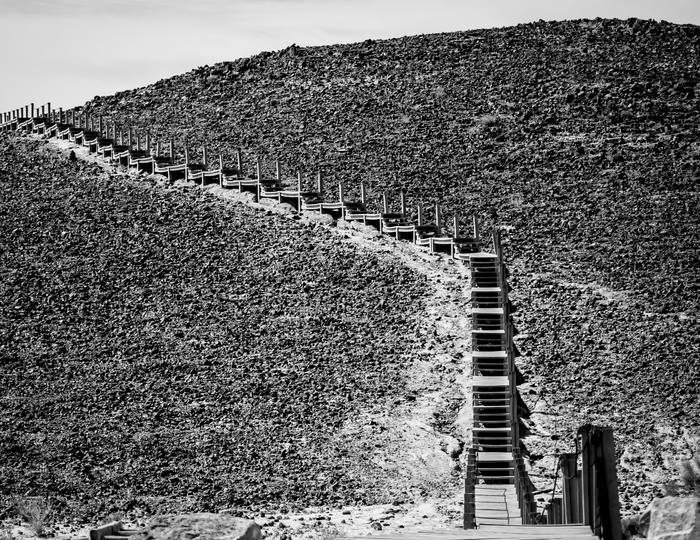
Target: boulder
(202, 526)
(675, 518)
(644, 522)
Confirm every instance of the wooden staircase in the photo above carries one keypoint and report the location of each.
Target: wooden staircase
(497, 490)
(498, 493)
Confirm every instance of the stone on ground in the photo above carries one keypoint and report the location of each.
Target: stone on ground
(203, 526)
(675, 518)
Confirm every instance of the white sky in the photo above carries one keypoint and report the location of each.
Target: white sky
(67, 51)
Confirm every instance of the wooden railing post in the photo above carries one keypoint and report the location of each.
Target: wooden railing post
(571, 489)
(600, 499)
(469, 491)
(607, 485)
(587, 488)
(299, 191)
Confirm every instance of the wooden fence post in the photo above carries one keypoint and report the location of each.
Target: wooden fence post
(570, 489)
(606, 478)
(469, 491)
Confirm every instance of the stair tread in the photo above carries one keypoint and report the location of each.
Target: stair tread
(489, 354)
(480, 380)
(494, 456)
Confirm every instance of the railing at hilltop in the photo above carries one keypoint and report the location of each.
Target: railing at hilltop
(129, 150)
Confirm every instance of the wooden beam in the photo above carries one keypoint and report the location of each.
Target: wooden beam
(571, 512)
(607, 485)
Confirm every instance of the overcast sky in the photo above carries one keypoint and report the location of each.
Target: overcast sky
(67, 51)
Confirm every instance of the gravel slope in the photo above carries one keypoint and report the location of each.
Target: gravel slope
(163, 349)
(578, 139)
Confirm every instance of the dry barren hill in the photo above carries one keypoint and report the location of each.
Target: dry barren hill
(578, 139)
(162, 349)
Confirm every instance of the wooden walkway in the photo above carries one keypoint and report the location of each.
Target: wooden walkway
(497, 532)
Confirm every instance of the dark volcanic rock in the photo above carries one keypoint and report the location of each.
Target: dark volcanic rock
(167, 352)
(578, 139)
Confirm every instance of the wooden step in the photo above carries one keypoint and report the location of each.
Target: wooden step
(489, 354)
(490, 381)
(483, 489)
(494, 456)
(495, 480)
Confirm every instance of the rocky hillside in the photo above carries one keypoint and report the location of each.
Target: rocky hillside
(162, 349)
(578, 139)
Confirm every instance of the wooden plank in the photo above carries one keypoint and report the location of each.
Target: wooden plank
(611, 501)
(480, 380)
(494, 456)
(489, 354)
